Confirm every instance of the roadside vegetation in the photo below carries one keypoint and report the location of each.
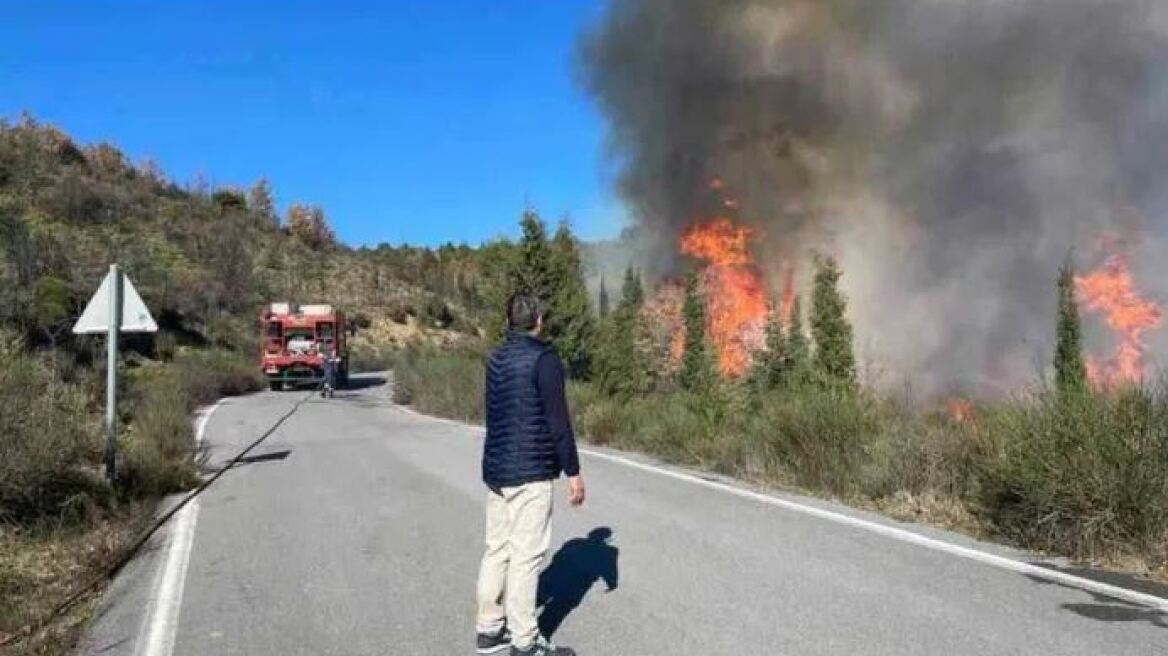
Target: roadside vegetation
(1060, 468)
(204, 259)
(61, 522)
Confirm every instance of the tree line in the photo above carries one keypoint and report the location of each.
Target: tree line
(610, 343)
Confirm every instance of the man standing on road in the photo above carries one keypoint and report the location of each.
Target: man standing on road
(529, 442)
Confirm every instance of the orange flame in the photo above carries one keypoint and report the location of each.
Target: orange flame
(960, 410)
(735, 297)
(1111, 291)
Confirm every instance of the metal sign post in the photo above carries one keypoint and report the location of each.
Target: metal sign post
(115, 308)
(111, 372)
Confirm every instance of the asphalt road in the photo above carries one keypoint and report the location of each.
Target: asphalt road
(355, 529)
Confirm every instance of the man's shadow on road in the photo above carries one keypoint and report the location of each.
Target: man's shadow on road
(575, 567)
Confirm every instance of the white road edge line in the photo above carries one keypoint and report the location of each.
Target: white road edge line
(994, 560)
(161, 623)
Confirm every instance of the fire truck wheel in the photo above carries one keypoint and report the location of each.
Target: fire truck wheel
(276, 386)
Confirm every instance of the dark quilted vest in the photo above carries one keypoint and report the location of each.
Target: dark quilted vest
(519, 447)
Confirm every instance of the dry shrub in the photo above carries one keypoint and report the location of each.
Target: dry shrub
(41, 568)
(441, 382)
(50, 443)
(365, 357)
(159, 440)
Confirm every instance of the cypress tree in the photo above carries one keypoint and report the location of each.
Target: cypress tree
(798, 351)
(1070, 371)
(620, 367)
(834, 360)
(770, 364)
(603, 300)
(697, 372)
(632, 293)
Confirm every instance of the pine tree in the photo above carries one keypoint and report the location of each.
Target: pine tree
(697, 369)
(1070, 371)
(570, 325)
(834, 359)
(533, 271)
(798, 351)
(603, 300)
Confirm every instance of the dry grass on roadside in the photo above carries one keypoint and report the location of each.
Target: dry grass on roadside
(41, 567)
(438, 382)
(60, 522)
(1084, 477)
(160, 437)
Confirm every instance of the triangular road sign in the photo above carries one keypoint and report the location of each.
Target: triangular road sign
(135, 317)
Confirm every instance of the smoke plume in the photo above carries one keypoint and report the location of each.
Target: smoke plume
(948, 152)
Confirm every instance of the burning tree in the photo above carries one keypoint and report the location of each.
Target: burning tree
(735, 296)
(663, 337)
(1111, 291)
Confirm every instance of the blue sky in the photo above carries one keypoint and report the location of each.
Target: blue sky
(421, 121)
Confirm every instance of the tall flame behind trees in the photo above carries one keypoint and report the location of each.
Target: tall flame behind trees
(879, 129)
(736, 299)
(1110, 290)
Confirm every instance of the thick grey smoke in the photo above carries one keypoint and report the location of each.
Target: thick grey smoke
(949, 152)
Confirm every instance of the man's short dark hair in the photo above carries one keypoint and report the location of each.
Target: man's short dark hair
(523, 312)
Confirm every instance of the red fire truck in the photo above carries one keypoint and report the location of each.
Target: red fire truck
(297, 339)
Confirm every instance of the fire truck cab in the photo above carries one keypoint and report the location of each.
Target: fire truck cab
(297, 339)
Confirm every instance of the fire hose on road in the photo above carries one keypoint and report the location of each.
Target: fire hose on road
(112, 569)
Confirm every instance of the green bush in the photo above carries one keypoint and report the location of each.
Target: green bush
(1084, 474)
(817, 435)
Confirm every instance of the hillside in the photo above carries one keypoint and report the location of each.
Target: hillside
(204, 259)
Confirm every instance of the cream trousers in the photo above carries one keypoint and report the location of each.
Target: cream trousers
(519, 531)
